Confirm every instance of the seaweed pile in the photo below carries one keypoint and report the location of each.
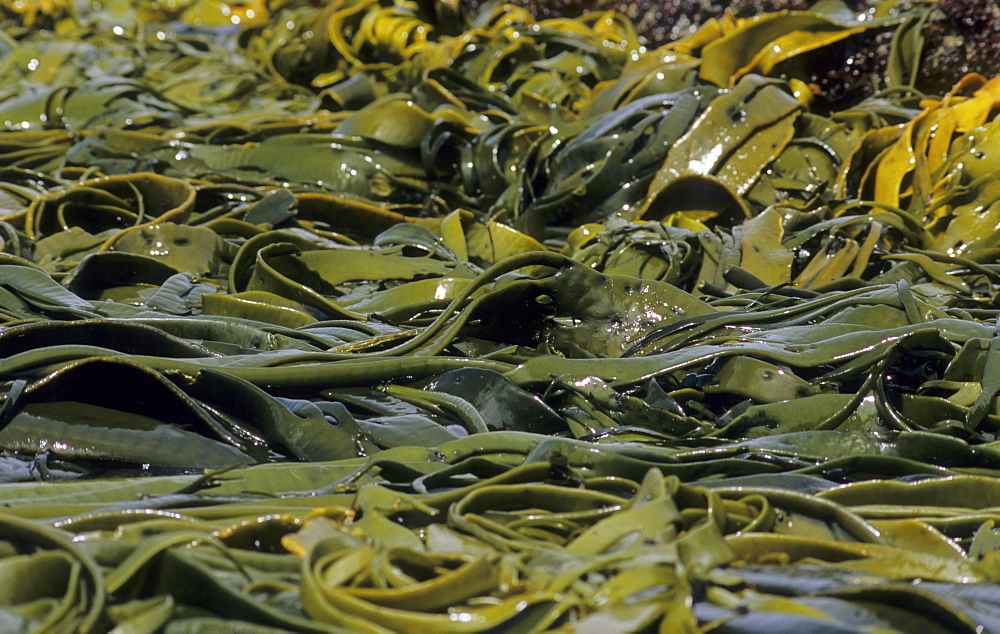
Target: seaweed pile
(959, 37)
(385, 315)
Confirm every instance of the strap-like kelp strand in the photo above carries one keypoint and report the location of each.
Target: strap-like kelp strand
(748, 281)
(908, 302)
(142, 556)
(455, 404)
(852, 523)
(514, 262)
(105, 518)
(314, 376)
(800, 312)
(126, 336)
(884, 406)
(821, 351)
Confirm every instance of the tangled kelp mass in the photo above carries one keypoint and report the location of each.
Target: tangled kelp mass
(959, 37)
(381, 315)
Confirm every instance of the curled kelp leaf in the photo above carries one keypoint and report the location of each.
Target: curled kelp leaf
(645, 250)
(110, 203)
(346, 216)
(35, 150)
(261, 306)
(483, 242)
(339, 281)
(28, 293)
(138, 280)
(298, 429)
(393, 120)
(328, 602)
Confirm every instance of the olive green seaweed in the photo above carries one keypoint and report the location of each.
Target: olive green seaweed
(387, 315)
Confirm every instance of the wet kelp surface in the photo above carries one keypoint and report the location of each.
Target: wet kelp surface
(379, 316)
(959, 37)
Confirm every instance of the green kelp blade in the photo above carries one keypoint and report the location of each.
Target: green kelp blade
(586, 176)
(154, 404)
(122, 277)
(260, 306)
(829, 345)
(83, 602)
(385, 175)
(299, 428)
(501, 403)
(408, 430)
(125, 336)
(759, 43)
(578, 306)
(41, 292)
(95, 433)
(739, 133)
(196, 250)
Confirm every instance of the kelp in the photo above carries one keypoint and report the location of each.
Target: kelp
(383, 316)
